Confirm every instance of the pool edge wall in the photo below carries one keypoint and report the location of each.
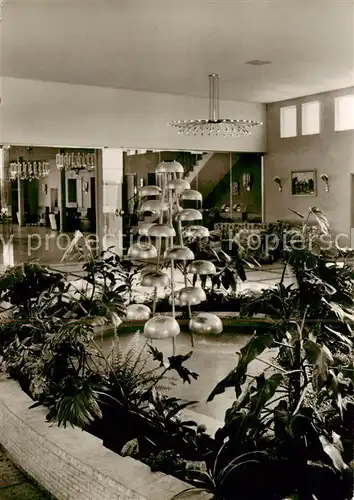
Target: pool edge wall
(71, 463)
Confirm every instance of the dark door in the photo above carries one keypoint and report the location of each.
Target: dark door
(92, 211)
(14, 200)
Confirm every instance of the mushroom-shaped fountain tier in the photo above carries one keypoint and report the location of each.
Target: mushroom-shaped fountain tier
(150, 191)
(205, 323)
(140, 251)
(191, 295)
(188, 214)
(178, 185)
(137, 312)
(179, 253)
(154, 206)
(155, 279)
(161, 231)
(202, 267)
(191, 194)
(169, 167)
(144, 228)
(161, 327)
(175, 295)
(150, 268)
(196, 232)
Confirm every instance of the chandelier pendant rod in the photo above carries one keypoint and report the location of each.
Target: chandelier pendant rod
(213, 97)
(215, 125)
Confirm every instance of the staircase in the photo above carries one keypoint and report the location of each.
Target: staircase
(209, 173)
(200, 164)
(220, 192)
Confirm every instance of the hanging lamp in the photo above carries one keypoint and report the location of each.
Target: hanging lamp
(215, 125)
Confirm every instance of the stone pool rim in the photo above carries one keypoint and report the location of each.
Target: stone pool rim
(71, 463)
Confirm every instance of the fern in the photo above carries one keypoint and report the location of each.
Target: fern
(163, 388)
(131, 367)
(117, 354)
(133, 351)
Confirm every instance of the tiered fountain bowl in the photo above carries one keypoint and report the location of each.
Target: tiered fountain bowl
(171, 217)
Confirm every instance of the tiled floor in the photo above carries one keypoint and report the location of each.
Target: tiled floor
(22, 244)
(14, 485)
(40, 243)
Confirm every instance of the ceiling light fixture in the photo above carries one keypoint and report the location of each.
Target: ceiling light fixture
(257, 62)
(77, 161)
(215, 125)
(29, 169)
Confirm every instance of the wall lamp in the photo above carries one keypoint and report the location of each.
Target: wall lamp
(277, 180)
(325, 178)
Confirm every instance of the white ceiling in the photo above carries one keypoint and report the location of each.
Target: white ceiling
(171, 45)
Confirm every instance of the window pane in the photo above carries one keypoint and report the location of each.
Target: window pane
(310, 118)
(344, 112)
(288, 121)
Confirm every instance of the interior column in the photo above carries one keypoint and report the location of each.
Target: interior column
(109, 199)
(8, 258)
(5, 181)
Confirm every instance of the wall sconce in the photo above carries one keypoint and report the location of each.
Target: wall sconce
(247, 181)
(45, 188)
(324, 177)
(86, 187)
(277, 180)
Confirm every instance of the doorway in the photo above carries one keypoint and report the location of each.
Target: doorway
(53, 200)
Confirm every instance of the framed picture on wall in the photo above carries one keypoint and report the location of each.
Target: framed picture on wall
(303, 183)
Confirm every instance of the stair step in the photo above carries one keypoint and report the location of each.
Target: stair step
(198, 166)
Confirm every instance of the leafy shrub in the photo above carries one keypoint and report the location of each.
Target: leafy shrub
(22, 285)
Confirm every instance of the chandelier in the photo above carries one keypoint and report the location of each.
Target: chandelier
(28, 169)
(215, 125)
(76, 161)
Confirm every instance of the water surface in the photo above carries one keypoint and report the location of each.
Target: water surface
(213, 357)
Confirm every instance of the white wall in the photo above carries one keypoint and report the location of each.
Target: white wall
(329, 152)
(57, 114)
